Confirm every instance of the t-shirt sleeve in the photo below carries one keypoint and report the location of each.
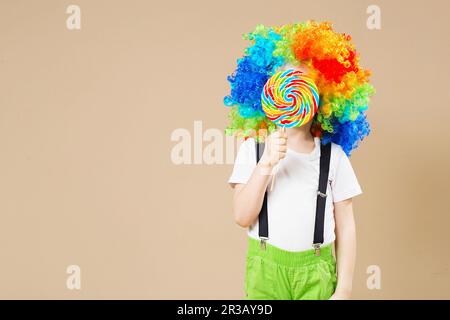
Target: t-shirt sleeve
(345, 185)
(244, 163)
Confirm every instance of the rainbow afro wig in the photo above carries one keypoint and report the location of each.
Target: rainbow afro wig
(332, 62)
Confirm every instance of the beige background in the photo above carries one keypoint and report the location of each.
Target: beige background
(86, 176)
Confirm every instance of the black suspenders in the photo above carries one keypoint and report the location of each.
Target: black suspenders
(262, 218)
(325, 153)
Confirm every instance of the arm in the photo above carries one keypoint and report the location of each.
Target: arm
(245, 211)
(248, 198)
(345, 248)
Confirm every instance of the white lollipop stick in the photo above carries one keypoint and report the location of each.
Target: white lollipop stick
(275, 169)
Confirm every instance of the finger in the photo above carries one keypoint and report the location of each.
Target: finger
(282, 149)
(276, 134)
(280, 141)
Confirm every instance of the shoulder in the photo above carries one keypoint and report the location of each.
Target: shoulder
(246, 151)
(249, 142)
(336, 151)
(244, 163)
(247, 145)
(336, 155)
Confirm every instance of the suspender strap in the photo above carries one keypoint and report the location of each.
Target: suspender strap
(325, 153)
(262, 218)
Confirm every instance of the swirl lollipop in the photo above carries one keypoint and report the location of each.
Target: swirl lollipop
(290, 98)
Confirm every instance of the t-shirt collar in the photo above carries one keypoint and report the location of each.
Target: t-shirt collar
(315, 154)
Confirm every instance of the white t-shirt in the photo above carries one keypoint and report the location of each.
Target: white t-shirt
(291, 205)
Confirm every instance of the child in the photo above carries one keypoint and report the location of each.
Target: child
(288, 268)
(288, 263)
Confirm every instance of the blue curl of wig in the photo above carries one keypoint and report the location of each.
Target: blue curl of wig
(253, 71)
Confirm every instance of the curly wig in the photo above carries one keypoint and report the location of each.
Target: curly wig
(332, 62)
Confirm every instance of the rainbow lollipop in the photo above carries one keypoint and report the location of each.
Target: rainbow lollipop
(290, 98)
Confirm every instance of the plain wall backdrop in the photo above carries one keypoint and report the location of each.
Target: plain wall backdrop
(86, 117)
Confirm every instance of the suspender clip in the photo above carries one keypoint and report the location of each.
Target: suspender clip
(316, 249)
(263, 242)
(323, 195)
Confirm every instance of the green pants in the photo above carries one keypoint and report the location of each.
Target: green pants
(276, 274)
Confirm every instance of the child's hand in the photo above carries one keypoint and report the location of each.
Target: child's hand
(275, 148)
